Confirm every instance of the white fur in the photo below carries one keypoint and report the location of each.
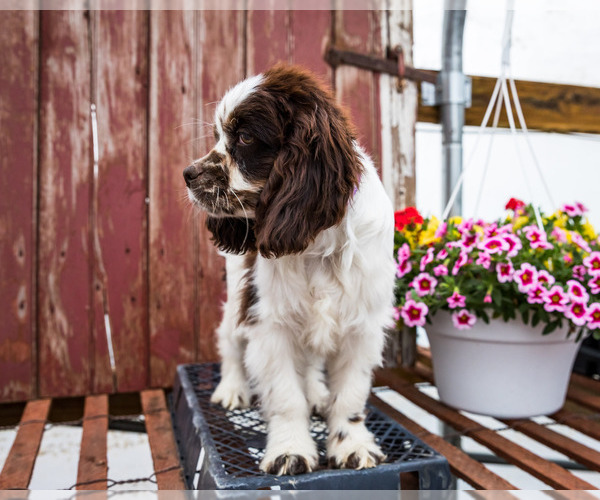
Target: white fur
(328, 307)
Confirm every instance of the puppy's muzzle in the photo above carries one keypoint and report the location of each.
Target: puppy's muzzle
(190, 173)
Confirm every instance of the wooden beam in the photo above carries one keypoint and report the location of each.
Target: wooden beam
(584, 398)
(548, 107)
(165, 456)
(548, 472)
(18, 467)
(461, 465)
(581, 423)
(93, 465)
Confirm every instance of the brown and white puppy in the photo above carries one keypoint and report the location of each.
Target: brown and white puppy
(307, 229)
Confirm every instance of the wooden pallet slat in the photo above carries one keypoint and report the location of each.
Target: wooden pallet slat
(584, 398)
(580, 423)
(92, 471)
(19, 464)
(548, 437)
(167, 468)
(548, 472)
(461, 465)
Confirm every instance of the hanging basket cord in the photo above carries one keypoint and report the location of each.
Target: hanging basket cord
(500, 96)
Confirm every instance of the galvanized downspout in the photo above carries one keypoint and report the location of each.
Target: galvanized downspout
(453, 99)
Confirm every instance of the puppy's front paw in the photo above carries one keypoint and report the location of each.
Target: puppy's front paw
(354, 451)
(231, 394)
(287, 465)
(290, 459)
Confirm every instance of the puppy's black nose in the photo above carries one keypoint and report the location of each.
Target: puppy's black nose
(190, 173)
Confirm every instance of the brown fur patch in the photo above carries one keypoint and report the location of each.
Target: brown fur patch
(249, 293)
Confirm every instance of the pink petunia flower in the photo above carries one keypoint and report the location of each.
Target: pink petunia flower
(488, 298)
(494, 245)
(514, 244)
(559, 234)
(403, 252)
(594, 284)
(465, 226)
(579, 272)
(463, 319)
(526, 277)
(440, 270)
(593, 316)
(468, 241)
(580, 242)
(460, 262)
(536, 294)
(404, 267)
(546, 278)
(592, 262)
(456, 300)
(424, 284)
(441, 231)
(396, 314)
(427, 258)
(490, 230)
(555, 299)
(442, 254)
(484, 260)
(414, 313)
(505, 272)
(537, 238)
(577, 312)
(577, 291)
(568, 258)
(574, 209)
(505, 230)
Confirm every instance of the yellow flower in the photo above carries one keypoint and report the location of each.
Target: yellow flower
(520, 222)
(428, 236)
(549, 265)
(456, 220)
(588, 230)
(561, 220)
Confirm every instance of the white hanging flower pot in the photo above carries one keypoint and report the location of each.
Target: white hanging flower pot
(504, 370)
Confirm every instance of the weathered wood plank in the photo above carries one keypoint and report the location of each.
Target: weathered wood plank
(461, 465)
(93, 464)
(581, 423)
(268, 40)
(168, 471)
(577, 451)
(548, 472)
(399, 114)
(220, 66)
(547, 106)
(64, 278)
(310, 32)
(18, 467)
(583, 397)
(172, 236)
(18, 174)
(121, 93)
(357, 89)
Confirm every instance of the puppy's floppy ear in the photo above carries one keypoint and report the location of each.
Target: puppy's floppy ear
(232, 234)
(315, 173)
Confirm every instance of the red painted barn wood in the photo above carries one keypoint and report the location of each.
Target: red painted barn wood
(120, 44)
(18, 174)
(172, 238)
(64, 273)
(217, 70)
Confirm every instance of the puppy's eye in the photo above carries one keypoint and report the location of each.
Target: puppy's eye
(245, 139)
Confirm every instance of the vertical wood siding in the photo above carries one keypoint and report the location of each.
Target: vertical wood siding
(155, 78)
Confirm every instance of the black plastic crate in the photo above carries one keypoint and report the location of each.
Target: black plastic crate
(234, 441)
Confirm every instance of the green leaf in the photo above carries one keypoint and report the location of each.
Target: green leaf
(550, 327)
(536, 318)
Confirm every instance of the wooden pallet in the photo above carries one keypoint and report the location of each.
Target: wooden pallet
(582, 412)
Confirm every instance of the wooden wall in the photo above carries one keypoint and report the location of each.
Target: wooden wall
(155, 77)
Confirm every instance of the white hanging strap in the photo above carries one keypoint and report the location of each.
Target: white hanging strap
(499, 95)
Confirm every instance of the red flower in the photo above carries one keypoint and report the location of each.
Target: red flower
(514, 204)
(409, 215)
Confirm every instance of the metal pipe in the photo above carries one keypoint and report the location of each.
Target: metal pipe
(452, 99)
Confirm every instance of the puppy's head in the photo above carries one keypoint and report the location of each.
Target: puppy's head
(283, 168)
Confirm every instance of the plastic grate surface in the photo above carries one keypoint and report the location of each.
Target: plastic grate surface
(240, 435)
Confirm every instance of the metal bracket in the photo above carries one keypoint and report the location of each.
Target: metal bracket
(393, 64)
(432, 94)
